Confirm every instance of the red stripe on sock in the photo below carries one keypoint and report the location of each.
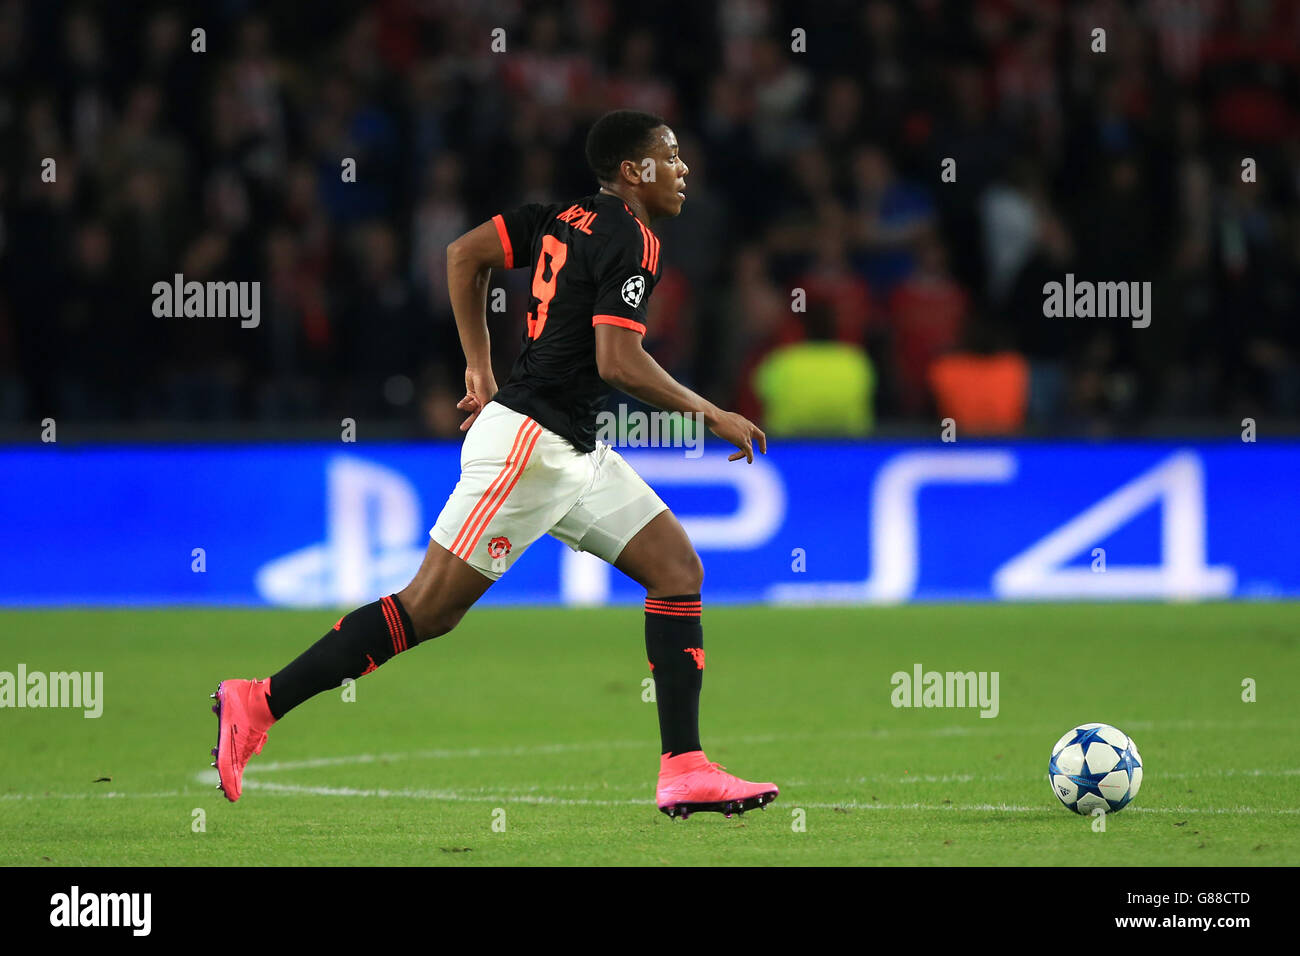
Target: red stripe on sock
(392, 631)
(397, 619)
(674, 608)
(388, 619)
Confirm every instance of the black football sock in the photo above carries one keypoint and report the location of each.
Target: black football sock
(674, 643)
(356, 645)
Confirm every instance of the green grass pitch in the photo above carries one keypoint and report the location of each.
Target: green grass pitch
(533, 719)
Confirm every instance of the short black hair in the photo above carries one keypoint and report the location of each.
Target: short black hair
(616, 136)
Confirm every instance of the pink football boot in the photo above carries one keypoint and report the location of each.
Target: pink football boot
(243, 717)
(689, 783)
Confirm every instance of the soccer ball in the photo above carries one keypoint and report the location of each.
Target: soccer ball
(1095, 767)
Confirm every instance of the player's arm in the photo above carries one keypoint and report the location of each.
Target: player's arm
(624, 364)
(470, 261)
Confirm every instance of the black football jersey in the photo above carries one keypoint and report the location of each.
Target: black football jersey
(592, 263)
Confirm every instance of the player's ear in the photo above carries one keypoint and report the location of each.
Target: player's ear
(629, 173)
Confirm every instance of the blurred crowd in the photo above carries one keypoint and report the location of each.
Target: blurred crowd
(815, 176)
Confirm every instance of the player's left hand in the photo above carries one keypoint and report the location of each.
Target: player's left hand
(479, 389)
(741, 432)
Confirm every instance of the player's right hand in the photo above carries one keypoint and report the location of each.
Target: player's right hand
(741, 432)
(479, 389)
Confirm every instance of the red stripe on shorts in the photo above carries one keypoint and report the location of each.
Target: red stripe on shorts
(483, 501)
(534, 434)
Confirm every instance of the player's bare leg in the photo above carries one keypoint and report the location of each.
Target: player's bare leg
(441, 592)
(661, 558)
(433, 603)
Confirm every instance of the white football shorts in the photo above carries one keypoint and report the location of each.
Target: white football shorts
(519, 481)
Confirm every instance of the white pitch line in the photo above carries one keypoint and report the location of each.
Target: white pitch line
(541, 750)
(455, 796)
(1004, 807)
(108, 795)
(995, 778)
(442, 795)
(441, 754)
(209, 777)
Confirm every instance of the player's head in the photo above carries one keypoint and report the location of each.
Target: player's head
(635, 153)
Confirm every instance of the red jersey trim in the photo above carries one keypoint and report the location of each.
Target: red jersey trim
(500, 223)
(618, 320)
